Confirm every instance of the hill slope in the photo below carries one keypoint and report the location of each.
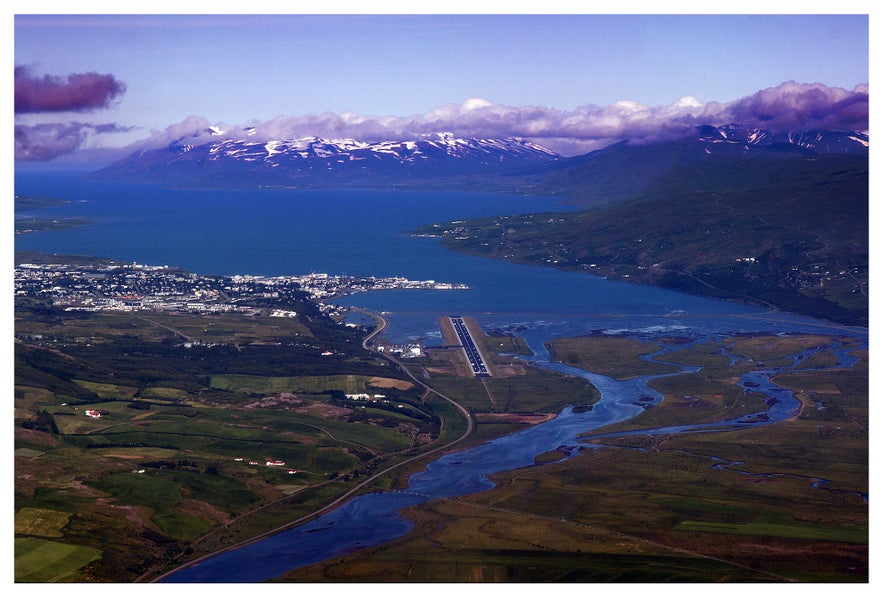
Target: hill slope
(714, 158)
(789, 231)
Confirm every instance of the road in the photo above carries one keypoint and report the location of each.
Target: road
(367, 344)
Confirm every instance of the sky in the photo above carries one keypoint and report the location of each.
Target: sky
(86, 84)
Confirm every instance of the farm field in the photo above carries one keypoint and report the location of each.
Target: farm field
(139, 445)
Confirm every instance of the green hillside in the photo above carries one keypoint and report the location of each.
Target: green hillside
(786, 231)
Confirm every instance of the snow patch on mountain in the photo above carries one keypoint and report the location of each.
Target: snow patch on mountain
(861, 141)
(236, 155)
(408, 151)
(814, 141)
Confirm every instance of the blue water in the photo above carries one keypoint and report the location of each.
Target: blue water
(268, 232)
(275, 232)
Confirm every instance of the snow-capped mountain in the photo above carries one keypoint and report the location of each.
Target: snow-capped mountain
(315, 161)
(811, 141)
(240, 159)
(708, 158)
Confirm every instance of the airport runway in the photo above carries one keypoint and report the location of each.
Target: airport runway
(476, 361)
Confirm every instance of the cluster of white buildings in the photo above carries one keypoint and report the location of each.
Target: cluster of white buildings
(270, 462)
(410, 350)
(364, 396)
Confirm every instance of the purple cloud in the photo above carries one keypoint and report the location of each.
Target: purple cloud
(46, 141)
(794, 105)
(79, 92)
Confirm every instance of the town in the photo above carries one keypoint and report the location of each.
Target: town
(110, 286)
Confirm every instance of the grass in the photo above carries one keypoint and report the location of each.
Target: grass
(109, 391)
(182, 527)
(79, 423)
(615, 357)
(530, 391)
(664, 509)
(165, 491)
(217, 328)
(137, 520)
(619, 515)
(303, 384)
(46, 523)
(159, 392)
(141, 489)
(772, 351)
(46, 561)
(857, 535)
(161, 415)
(461, 541)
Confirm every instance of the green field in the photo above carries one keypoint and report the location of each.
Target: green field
(177, 462)
(836, 533)
(46, 523)
(185, 431)
(45, 561)
(108, 391)
(295, 384)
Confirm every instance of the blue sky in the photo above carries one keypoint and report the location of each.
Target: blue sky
(289, 69)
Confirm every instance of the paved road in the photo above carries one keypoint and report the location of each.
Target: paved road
(382, 325)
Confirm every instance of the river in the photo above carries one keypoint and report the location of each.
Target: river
(374, 519)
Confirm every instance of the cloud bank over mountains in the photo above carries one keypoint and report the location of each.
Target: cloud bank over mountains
(788, 106)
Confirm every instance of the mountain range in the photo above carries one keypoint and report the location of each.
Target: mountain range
(312, 161)
(441, 159)
(713, 158)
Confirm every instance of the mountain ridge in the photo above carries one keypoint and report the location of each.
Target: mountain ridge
(308, 161)
(623, 169)
(790, 232)
(710, 158)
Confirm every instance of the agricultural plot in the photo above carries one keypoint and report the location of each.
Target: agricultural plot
(46, 561)
(832, 533)
(108, 391)
(131, 442)
(304, 384)
(46, 523)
